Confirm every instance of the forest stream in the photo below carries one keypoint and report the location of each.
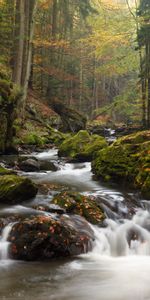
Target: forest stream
(117, 268)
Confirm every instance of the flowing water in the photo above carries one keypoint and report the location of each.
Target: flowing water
(117, 268)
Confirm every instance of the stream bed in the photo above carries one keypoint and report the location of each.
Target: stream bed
(117, 268)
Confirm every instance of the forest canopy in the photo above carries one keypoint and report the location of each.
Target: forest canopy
(92, 55)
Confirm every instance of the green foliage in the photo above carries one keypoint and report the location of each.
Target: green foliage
(125, 107)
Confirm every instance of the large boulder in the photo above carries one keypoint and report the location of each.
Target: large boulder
(15, 189)
(76, 203)
(81, 146)
(45, 237)
(127, 160)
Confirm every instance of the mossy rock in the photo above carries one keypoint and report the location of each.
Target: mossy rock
(76, 203)
(56, 137)
(81, 146)
(115, 161)
(15, 189)
(135, 138)
(127, 159)
(4, 171)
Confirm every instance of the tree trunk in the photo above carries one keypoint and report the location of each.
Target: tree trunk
(143, 101)
(19, 41)
(29, 57)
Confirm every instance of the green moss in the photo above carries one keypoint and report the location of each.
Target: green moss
(128, 158)
(81, 146)
(4, 171)
(34, 139)
(79, 204)
(9, 96)
(15, 189)
(115, 161)
(135, 138)
(56, 137)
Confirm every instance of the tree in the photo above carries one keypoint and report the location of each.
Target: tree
(23, 39)
(144, 46)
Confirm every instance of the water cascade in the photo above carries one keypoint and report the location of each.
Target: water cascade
(129, 237)
(4, 244)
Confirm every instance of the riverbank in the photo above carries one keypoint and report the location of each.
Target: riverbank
(125, 228)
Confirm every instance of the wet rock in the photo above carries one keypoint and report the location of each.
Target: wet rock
(48, 166)
(29, 165)
(46, 237)
(34, 165)
(55, 209)
(47, 187)
(15, 189)
(76, 203)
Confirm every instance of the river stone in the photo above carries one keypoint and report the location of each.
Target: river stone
(48, 166)
(15, 189)
(76, 203)
(45, 237)
(29, 165)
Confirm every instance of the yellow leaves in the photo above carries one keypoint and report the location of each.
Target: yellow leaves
(50, 44)
(44, 4)
(112, 39)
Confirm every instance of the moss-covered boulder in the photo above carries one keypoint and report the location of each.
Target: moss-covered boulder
(81, 146)
(76, 203)
(127, 159)
(57, 137)
(45, 237)
(15, 189)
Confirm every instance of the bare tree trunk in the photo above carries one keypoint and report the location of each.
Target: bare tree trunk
(19, 54)
(29, 57)
(148, 85)
(143, 101)
(148, 104)
(81, 86)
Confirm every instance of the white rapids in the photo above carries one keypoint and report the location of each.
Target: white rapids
(118, 267)
(4, 244)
